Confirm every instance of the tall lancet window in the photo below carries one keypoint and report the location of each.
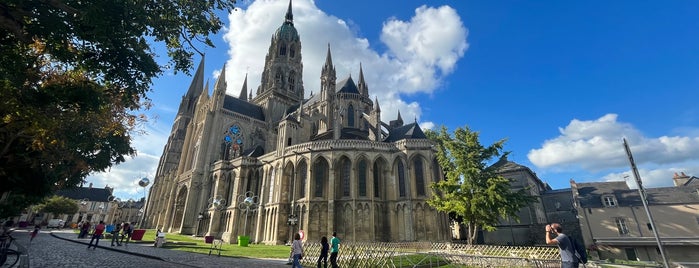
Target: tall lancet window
(419, 177)
(292, 51)
(320, 173)
(282, 49)
(350, 116)
(303, 174)
(233, 142)
(401, 179)
(361, 176)
(345, 176)
(292, 84)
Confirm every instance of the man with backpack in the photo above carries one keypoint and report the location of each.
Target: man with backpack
(572, 253)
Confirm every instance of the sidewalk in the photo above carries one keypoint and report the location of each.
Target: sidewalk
(174, 256)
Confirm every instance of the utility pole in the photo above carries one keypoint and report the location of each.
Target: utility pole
(644, 200)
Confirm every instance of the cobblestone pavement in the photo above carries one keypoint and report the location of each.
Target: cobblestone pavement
(62, 248)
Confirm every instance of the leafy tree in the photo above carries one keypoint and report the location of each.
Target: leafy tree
(472, 192)
(59, 205)
(74, 75)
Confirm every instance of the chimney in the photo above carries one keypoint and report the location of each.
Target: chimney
(680, 180)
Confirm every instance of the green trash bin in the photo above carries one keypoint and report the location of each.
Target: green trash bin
(243, 240)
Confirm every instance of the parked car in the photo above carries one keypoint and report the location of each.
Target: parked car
(55, 223)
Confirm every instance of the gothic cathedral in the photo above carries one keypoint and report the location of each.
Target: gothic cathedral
(276, 163)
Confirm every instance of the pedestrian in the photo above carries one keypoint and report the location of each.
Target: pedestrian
(565, 244)
(35, 232)
(115, 234)
(334, 250)
(84, 229)
(324, 248)
(127, 230)
(97, 235)
(297, 251)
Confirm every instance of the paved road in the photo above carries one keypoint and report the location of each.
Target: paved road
(63, 249)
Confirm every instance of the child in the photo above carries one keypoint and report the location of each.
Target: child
(34, 233)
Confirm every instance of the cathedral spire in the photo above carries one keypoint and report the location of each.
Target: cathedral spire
(244, 90)
(376, 100)
(363, 88)
(289, 18)
(328, 59)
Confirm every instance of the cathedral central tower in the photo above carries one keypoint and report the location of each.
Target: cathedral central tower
(282, 82)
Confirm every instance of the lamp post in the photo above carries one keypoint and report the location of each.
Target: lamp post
(248, 203)
(291, 222)
(144, 182)
(200, 217)
(83, 205)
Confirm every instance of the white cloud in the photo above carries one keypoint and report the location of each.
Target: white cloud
(422, 51)
(596, 146)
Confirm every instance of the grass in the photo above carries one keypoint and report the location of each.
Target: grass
(197, 245)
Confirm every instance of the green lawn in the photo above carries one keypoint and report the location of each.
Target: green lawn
(197, 245)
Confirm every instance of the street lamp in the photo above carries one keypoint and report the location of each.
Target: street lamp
(200, 217)
(83, 205)
(291, 222)
(144, 182)
(248, 203)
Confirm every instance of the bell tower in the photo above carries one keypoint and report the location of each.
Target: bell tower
(282, 83)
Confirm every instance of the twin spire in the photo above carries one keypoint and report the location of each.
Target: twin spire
(289, 18)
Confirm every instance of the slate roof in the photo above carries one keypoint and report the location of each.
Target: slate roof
(347, 86)
(92, 194)
(409, 131)
(256, 151)
(243, 107)
(591, 193)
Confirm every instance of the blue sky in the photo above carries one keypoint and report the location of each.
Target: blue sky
(562, 81)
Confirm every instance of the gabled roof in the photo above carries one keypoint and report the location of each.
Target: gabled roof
(256, 151)
(347, 86)
(409, 131)
(591, 193)
(237, 105)
(92, 194)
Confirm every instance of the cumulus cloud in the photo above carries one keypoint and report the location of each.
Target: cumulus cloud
(596, 146)
(421, 51)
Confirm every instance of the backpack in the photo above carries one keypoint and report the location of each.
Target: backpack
(580, 251)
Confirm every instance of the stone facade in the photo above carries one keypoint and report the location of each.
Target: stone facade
(319, 164)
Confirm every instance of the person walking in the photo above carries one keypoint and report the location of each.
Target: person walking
(297, 251)
(115, 234)
(126, 233)
(96, 235)
(84, 229)
(334, 250)
(565, 245)
(324, 248)
(35, 232)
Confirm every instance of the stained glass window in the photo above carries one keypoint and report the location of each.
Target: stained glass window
(233, 139)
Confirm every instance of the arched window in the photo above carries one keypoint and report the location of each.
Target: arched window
(320, 174)
(401, 179)
(271, 185)
(345, 176)
(419, 177)
(282, 49)
(292, 84)
(377, 180)
(302, 179)
(361, 177)
(350, 116)
(292, 51)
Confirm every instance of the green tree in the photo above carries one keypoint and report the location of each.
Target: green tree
(74, 76)
(59, 205)
(472, 192)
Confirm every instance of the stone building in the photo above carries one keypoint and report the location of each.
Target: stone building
(614, 223)
(319, 163)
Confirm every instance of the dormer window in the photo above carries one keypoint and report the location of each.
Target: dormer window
(609, 201)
